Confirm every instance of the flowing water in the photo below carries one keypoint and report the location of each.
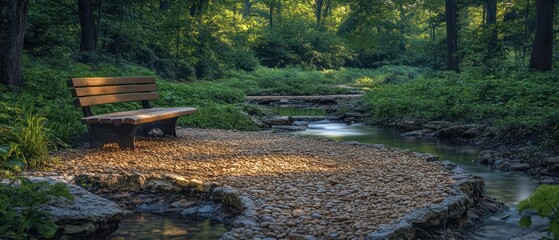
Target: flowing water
(507, 187)
(170, 227)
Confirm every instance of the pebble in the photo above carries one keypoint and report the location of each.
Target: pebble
(303, 188)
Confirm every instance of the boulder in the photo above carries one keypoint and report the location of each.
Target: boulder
(487, 156)
(437, 125)
(407, 125)
(402, 230)
(87, 217)
(277, 120)
(519, 167)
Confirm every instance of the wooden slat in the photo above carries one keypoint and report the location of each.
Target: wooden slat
(139, 116)
(115, 98)
(108, 81)
(92, 91)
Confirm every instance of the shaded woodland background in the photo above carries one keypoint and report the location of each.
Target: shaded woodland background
(203, 39)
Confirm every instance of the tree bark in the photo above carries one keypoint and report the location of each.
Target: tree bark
(163, 5)
(13, 19)
(318, 12)
(88, 33)
(246, 8)
(491, 21)
(271, 15)
(542, 48)
(451, 35)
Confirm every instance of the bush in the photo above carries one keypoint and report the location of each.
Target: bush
(20, 213)
(544, 202)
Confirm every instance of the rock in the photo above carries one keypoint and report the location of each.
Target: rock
(183, 203)
(551, 160)
(289, 128)
(87, 217)
(402, 230)
(471, 133)
(490, 132)
(426, 156)
(311, 118)
(519, 167)
(487, 156)
(553, 168)
(277, 121)
(205, 210)
(407, 125)
(437, 125)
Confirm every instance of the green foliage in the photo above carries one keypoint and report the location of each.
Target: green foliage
(32, 139)
(294, 111)
(21, 216)
(544, 202)
(12, 159)
(517, 101)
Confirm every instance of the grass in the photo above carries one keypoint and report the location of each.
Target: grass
(522, 104)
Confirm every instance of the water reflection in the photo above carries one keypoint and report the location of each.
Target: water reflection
(507, 187)
(152, 226)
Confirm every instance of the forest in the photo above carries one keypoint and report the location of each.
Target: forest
(488, 62)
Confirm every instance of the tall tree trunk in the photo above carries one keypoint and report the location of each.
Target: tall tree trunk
(13, 19)
(526, 16)
(542, 48)
(271, 14)
(451, 35)
(163, 5)
(88, 34)
(318, 12)
(246, 8)
(491, 21)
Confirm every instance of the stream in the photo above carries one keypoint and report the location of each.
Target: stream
(509, 188)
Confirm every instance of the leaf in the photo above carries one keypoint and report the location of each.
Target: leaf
(523, 205)
(526, 221)
(554, 226)
(16, 165)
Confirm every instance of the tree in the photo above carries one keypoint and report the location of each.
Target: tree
(491, 21)
(542, 48)
(451, 35)
(88, 30)
(13, 16)
(321, 9)
(247, 4)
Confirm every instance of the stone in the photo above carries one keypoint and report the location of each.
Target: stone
(87, 217)
(471, 133)
(437, 125)
(183, 203)
(402, 230)
(519, 167)
(487, 156)
(289, 128)
(277, 121)
(407, 125)
(534, 236)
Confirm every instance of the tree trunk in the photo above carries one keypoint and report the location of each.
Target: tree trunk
(491, 21)
(13, 19)
(542, 48)
(318, 12)
(526, 16)
(246, 8)
(451, 35)
(163, 5)
(88, 34)
(271, 15)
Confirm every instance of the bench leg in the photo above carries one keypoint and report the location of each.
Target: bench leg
(99, 134)
(167, 126)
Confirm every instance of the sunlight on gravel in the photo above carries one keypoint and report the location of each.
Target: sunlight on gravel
(300, 185)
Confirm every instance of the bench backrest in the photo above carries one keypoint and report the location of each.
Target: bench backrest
(102, 90)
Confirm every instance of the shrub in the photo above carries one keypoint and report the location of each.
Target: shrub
(21, 216)
(544, 202)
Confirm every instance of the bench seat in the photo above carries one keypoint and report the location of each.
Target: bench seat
(140, 116)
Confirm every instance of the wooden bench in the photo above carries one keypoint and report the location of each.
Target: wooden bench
(120, 127)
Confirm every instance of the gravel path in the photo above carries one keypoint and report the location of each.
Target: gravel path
(301, 186)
